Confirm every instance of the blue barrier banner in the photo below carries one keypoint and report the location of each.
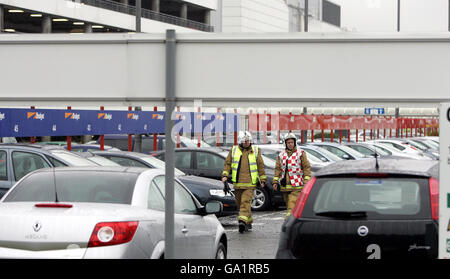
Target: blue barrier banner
(63, 122)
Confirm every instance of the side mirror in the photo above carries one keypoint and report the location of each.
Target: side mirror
(211, 207)
(346, 157)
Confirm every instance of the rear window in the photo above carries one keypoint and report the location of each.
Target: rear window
(75, 186)
(379, 198)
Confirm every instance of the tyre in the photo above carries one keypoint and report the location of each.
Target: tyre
(221, 253)
(261, 199)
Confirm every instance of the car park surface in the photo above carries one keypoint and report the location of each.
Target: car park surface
(354, 209)
(104, 212)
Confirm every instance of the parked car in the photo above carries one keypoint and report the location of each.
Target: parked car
(339, 150)
(209, 162)
(104, 212)
(204, 189)
(394, 151)
(427, 151)
(352, 209)
(430, 144)
(101, 161)
(403, 147)
(323, 154)
(90, 147)
(367, 150)
(121, 142)
(17, 160)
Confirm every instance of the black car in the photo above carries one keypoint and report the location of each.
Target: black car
(204, 189)
(351, 209)
(209, 162)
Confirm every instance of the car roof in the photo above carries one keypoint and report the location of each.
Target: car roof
(120, 152)
(427, 168)
(30, 146)
(123, 169)
(212, 149)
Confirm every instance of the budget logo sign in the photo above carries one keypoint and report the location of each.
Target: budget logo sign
(35, 115)
(72, 115)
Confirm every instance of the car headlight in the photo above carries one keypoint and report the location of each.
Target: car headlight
(217, 192)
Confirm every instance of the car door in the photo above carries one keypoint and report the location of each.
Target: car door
(209, 165)
(183, 161)
(194, 237)
(158, 187)
(198, 232)
(5, 174)
(26, 162)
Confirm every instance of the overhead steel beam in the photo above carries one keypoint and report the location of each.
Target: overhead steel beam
(313, 68)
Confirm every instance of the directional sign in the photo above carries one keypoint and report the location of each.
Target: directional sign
(374, 111)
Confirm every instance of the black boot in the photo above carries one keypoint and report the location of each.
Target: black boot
(242, 226)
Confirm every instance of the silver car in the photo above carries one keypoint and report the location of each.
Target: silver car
(104, 212)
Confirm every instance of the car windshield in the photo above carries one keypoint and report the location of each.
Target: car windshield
(382, 196)
(322, 153)
(72, 159)
(157, 163)
(75, 186)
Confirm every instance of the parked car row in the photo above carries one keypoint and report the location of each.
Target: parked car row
(360, 199)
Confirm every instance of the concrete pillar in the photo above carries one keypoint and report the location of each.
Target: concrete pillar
(156, 5)
(2, 19)
(46, 24)
(87, 27)
(184, 11)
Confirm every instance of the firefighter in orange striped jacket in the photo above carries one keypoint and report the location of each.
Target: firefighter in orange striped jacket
(292, 171)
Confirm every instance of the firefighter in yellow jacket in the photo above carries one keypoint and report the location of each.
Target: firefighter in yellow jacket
(292, 171)
(246, 167)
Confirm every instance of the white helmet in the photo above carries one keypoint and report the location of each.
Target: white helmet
(244, 136)
(290, 136)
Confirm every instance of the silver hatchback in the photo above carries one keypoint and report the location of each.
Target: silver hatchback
(104, 212)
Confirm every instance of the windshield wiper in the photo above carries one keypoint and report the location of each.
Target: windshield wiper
(343, 214)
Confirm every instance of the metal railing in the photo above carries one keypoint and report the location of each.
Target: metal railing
(149, 14)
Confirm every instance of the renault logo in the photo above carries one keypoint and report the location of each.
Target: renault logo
(37, 226)
(363, 231)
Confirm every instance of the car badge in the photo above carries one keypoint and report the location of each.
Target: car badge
(37, 226)
(363, 231)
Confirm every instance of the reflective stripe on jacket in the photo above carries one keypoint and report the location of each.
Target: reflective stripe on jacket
(236, 155)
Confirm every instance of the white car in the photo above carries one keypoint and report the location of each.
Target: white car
(400, 145)
(104, 212)
(395, 152)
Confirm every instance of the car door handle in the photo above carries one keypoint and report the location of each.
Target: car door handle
(184, 230)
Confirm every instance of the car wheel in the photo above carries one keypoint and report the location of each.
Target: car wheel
(260, 199)
(221, 253)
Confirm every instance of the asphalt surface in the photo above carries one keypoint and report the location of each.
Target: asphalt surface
(259, 243)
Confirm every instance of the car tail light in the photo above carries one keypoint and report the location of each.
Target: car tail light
(434, 197)
(54, 205)
(298, 208)
(112, 233)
